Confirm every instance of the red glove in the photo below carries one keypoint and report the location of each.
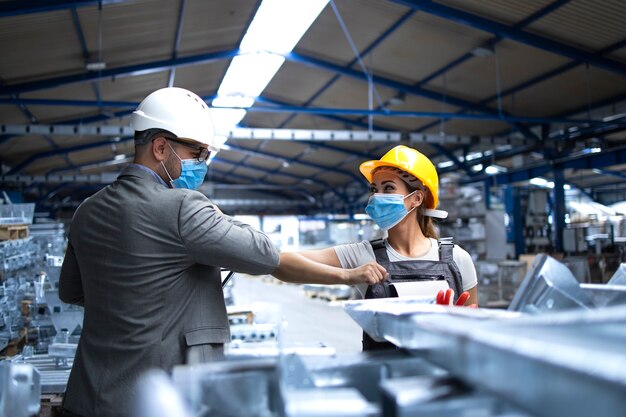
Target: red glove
(447, 297)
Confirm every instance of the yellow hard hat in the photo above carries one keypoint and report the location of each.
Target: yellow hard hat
(411, 161)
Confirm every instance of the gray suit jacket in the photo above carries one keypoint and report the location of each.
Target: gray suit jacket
(144, 261)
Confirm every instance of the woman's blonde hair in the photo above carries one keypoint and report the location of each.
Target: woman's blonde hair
(426, 223)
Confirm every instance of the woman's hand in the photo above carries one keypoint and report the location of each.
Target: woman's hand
(369, 273)
(448, 297)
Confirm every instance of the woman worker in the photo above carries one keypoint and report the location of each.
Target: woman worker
(403, 197)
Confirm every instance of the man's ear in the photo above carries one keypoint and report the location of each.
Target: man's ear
(158, 148)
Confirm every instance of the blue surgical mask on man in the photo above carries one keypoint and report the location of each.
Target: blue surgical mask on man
(192, 173)
(387, 210)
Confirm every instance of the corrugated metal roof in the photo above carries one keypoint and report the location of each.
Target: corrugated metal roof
(571, 90)
(38, 46)
(44, 46)
(421, 46)
(504, 11)
(589, 24)
(476, 77)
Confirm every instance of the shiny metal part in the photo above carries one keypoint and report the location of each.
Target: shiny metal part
(605, 295)
(322, 402)
(241, 388)
(441, 397)
(536, 362)
(64, 316)
(549, 286)
(157, 397)
(53, 379)
(377, 316)
(619, 278)
(19, 390)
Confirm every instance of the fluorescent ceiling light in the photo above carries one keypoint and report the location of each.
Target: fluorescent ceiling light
(276, 28)
(477, 167)
(445, 164)
(278, 25)
(473, 155)
(491, 170)
(233, 101)
(538, 181)
(225, 119)
(248, 75)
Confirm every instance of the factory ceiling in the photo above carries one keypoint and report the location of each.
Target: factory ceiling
(506, 84)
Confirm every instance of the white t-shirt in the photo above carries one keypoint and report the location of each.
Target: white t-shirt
(353, 255)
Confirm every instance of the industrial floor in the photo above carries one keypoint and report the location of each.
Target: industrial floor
(310, 321)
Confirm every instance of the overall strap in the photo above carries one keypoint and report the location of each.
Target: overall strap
(446, 254)
(380, 251)
(446, 248)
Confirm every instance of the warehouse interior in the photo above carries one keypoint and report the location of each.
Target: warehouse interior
(519, 104)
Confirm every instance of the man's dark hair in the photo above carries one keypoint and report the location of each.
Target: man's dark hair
(144, 137)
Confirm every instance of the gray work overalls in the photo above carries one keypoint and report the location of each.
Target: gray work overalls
(412, 271)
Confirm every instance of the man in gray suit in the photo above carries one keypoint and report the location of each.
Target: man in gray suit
(144, 257)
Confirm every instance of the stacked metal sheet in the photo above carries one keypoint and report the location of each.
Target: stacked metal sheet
(559, 351)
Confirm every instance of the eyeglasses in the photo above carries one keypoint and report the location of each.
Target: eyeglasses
(203, 153)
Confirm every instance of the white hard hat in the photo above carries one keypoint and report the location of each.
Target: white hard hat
(178, 111)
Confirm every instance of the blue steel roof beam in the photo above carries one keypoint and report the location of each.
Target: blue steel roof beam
(89, 119)
(280, 190)
(492, 42)
(408, 89)
(298, 178)
(367, 50)
(77, 103)
(612, 173)
(450, 155)
(281, 158)
(22, 7)
(275, 108)
(85, 120)
(540, 78)
(493, 157)
(351, 154)
(179, 31)
(213, 171)
(351, 122)
(64, 151)
(15, 100)
(83, 46)
(598, 104)
(416, 114)
(552, 73)
(131, 70)
(610, 157)
(72, 103)
(510, 32)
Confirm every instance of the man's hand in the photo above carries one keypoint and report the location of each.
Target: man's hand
(447, 298)
(369, 273)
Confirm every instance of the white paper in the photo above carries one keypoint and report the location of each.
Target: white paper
(426, 288)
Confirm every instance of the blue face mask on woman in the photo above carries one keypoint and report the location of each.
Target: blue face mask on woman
(192, 173)
(387, 210)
